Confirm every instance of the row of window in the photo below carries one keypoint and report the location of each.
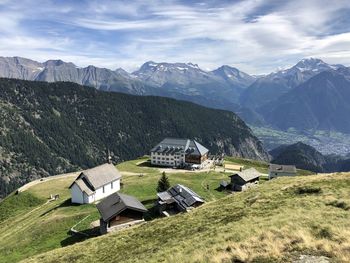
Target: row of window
(166, 154)
(162, 162)
(163, 158)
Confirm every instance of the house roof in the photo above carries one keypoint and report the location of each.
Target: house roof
(174, 145)
(115, 203)
(247, 175)
(83, 186)
(100, 175)
(180, 194)
(278, 168)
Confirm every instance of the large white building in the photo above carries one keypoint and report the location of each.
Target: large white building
(178, 152)
(94, 184)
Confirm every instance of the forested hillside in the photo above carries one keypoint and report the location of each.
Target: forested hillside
(51, 128)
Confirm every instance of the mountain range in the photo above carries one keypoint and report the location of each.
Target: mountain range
(310, 95)
(51, 128)
(220, 88)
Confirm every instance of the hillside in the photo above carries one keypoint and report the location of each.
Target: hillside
(306, 157)
(52, 128)
(45, 225)
(275, 222)
(301, 155)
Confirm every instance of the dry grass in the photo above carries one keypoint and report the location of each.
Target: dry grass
(275, 222)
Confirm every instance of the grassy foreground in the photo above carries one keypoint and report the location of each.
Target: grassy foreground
(275, 222)
(30, 225)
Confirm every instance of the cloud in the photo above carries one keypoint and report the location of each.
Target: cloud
(254, 35)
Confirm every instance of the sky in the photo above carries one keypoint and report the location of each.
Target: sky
(256, 36)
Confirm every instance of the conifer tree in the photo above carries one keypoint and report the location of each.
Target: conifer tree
(163, 183)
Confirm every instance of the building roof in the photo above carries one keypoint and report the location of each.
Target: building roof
(180, 194)
(83, 186)
(174, 145)
(278, 168)
(90, 180)
(100, 175)
(247, 175)
(116, 203)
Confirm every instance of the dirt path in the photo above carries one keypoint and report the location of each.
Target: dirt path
(45, 179)
(131, 173)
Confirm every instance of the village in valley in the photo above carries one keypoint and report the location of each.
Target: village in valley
(178, 176)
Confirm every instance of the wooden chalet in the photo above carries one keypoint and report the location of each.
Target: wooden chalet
(119, 211)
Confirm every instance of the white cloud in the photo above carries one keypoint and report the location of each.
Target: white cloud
(254, 35)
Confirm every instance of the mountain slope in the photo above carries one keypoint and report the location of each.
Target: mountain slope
(321, 103)
(301, 155)
(276, 222)
(271, 87)
(51, 128)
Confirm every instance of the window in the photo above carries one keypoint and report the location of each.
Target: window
(103, 189)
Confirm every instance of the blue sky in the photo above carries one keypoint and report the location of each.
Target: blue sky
(257, 36)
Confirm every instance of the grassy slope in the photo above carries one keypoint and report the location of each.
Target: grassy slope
(30, 226)
(275, 222)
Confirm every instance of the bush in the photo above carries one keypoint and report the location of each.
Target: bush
(339, 204)
(307, 190)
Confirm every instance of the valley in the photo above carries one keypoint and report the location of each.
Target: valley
(326, 142)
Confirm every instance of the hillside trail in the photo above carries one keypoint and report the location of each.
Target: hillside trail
(45, 179)
(24, 221)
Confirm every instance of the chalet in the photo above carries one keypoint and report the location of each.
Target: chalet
(245, 179)
(277, 170)
(119, 211)
(178, 153)
(94, 184)
(178, 198)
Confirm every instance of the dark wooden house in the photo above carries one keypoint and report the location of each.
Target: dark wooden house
(119, 211)
(241, 181)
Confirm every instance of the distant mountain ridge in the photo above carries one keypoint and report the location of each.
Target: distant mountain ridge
(268, 88)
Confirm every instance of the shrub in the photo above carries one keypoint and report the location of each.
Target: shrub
(307, 190)
(339, 204)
